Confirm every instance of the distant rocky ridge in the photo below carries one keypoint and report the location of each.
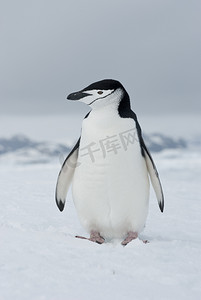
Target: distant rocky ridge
(23, 149)
(157, 142)
(19, 142)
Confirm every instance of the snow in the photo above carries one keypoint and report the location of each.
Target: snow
(40, 258)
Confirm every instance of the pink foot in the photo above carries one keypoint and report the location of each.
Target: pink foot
(94, 237)
(131, 236)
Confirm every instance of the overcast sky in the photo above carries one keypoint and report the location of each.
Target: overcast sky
(49, 49)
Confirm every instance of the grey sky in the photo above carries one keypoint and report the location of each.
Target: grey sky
(51, 48)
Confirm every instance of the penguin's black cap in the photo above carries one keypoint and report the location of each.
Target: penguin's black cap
(103, 85)
(106, 84)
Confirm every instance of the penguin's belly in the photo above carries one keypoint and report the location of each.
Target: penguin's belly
(110, 184)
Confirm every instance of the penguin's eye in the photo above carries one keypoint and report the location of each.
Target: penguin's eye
(100, 92)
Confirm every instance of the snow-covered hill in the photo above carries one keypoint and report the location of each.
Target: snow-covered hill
(21, 149)
(157, 142)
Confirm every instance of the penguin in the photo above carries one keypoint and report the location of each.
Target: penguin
(110, 167)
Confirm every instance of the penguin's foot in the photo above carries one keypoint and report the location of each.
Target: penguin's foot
(94, 237)
(131, 236)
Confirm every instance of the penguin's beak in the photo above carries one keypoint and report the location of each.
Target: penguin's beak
(77, 95)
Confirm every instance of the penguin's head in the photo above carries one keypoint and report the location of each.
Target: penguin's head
(100, 93)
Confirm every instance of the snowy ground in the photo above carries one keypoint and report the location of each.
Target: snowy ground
(41, 260)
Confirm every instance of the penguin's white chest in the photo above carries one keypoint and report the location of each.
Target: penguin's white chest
(110, 183)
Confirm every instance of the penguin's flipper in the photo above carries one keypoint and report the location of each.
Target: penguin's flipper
(153, 173)
(65, 176)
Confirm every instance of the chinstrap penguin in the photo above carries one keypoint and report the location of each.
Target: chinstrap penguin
(109, 167)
